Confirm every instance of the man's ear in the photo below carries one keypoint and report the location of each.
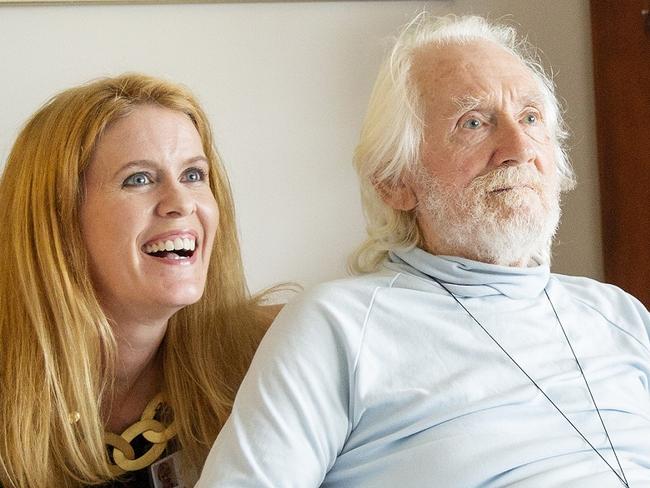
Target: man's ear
(397, 194)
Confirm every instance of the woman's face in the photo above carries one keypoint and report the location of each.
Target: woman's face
(148, 217)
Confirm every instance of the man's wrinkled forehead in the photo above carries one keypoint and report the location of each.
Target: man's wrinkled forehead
(473, 75)
(442, 60)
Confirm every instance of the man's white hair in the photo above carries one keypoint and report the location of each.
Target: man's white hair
(393, 128)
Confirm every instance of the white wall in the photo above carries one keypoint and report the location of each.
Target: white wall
(285, 86)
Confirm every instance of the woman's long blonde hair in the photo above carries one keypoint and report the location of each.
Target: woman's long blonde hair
(57, 349)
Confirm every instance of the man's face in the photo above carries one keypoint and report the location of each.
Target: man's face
(486, 187)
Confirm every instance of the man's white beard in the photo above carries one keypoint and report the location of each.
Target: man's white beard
(510, 227)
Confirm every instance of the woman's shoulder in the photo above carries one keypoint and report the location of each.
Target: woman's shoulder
(267, 313)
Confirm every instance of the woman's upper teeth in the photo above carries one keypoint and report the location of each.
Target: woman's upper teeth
(177, 244)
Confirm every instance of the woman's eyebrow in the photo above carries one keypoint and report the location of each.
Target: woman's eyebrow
(150, 164)
(196, 159)
(137, 163)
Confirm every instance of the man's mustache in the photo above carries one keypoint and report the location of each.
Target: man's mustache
(507, 177)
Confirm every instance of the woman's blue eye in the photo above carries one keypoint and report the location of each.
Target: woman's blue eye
(193, 175)
(137, 179)
(472, 123)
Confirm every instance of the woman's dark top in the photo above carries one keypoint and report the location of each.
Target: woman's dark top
(143, 478)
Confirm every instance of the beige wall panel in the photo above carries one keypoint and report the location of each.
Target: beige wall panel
(286, 85)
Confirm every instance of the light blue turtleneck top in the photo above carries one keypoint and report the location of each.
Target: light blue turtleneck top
(385, 381)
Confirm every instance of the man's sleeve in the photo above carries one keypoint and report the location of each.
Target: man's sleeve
(290, 418)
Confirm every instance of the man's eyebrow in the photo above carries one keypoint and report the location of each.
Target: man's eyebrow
(533, 98)
(467, 103)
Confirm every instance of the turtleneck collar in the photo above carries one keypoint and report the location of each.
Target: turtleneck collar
(467, 278)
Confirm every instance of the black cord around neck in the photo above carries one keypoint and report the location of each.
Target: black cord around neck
(621, 477)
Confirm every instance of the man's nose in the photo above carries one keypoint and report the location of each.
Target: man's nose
(175, 201)
(514, 144)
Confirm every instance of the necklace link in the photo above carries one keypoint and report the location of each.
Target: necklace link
(154, 431)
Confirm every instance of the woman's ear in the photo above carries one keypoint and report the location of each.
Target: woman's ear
(399, 195)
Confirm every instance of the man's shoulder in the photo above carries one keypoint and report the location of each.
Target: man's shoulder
(351, 288)
(330, 312)
(608, 299)
(347, 299)
(589, 287)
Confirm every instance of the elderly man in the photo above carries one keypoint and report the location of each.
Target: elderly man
(457, 359)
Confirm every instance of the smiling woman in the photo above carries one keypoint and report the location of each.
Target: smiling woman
(125, 321)
(147, 189)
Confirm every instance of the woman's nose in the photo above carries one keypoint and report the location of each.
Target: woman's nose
(176, 201)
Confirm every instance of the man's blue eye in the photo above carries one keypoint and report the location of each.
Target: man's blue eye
(137, 179)
(473, 123)
(531, 119)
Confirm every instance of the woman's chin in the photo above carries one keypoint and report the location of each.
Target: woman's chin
(179, 301)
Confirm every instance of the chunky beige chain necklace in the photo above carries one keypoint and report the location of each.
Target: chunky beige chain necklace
(151, 429)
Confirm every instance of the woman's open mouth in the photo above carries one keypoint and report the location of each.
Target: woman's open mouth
(177, 248)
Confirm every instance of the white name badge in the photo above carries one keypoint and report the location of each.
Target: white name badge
(166, 473)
